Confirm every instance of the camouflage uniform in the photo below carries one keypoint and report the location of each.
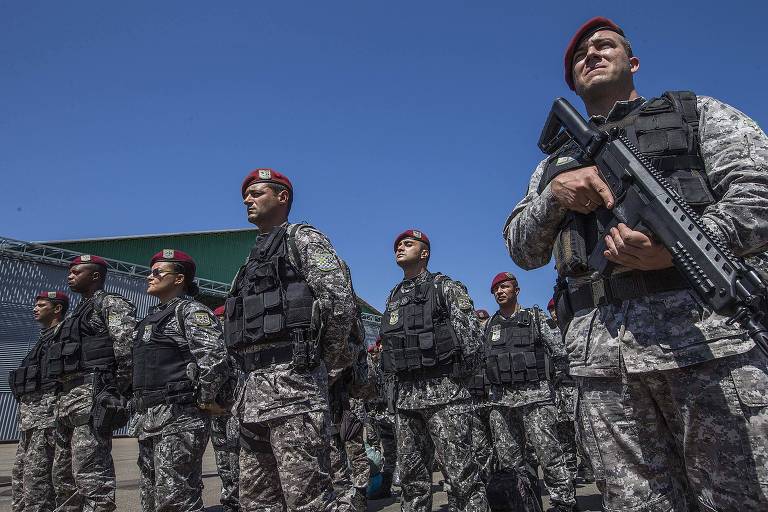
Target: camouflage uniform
(435, 415)
(173, 436)
(349, 462)
(283, 412)
(85, 449)
(225, 438)
(672, 399)
(527, 413)
(565, 403)
(381, 420)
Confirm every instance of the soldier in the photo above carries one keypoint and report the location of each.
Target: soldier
(521, 354)
(35, 391)
(225, 438)
(179, 371)
(287, 321)
(565, 403)
(91, 358)
(382, 421)
(672, 396)
(431, 343)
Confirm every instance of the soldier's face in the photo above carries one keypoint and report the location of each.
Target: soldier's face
(44, 311)
(410, 251)
(506, 293)
(553, 314)
(81, 276)
(163, 280)
(602, 61)
(261, 202)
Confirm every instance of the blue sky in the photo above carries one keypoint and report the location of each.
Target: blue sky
(143, 117)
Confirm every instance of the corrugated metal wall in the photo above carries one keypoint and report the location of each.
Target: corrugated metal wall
(20, 282)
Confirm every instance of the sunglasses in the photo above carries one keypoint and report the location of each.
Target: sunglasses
(156, 272)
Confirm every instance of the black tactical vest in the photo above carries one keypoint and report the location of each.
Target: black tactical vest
(665, 130)
(160, 362)
(81, 346)
(32, 373)
(270, 301)
(416, 334)
(514, 352)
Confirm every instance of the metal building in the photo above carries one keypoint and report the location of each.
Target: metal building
(27, 268)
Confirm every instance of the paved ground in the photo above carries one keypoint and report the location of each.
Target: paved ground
(124, 454)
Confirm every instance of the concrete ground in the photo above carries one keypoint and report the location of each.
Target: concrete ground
(124, 454)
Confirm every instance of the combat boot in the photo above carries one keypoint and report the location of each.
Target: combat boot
(385, 490)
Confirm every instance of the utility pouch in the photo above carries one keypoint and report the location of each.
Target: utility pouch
(110, 410)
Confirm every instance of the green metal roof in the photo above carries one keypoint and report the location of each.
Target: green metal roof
(218, 254)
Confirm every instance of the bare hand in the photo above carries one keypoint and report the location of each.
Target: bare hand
(635, 249)
(213, 409)
(581, 190)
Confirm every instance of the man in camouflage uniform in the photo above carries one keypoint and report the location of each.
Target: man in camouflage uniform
(672, 397)
(431, 343)
(522, 353)
(287, 321)
(225, 438)
(180, 368)
(91, 358)
(381, 420)
(32, 485)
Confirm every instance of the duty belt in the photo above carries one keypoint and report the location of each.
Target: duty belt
(623, 286)
(147, 399)
(69, 385)
(449, 370)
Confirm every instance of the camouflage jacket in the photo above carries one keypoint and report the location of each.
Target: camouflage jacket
(280, 390)
(533, 392)
(664, 330)
(118, 316)
(203, 334)
(38, 409)
(420, 394)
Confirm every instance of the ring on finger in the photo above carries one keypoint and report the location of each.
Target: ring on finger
(588, 203)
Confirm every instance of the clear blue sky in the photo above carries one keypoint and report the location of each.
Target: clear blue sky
(124, 118)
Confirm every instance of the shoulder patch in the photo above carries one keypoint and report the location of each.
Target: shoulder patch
(325, 261)
(464, 303)
(114, 320)
(202, 318)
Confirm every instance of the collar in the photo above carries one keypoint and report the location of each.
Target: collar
(407, 283)
(620, 110)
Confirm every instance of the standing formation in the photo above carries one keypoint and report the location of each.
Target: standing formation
(633, 377)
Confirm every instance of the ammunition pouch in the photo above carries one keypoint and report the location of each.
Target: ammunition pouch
(478, 386)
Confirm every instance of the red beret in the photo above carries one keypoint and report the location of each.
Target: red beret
(265, 176)
(219, 311)
(502, 277)
(414, 234)
(88, 258)
(482, 314)
(586, 30)
(551, 304)
(175, 256)
(55, 296)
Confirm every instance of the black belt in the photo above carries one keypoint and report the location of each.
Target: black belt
(449, 370)
(69, 385)
(265, 357)
(623, 286)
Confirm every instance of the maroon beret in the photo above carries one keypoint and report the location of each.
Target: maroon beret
(175, 256)
(502, 277)
(482, 314)
(586, 30)
(54, 296)
(551, 304)
(413, 234)
(88, 259)
(265, 176)
(219, 311)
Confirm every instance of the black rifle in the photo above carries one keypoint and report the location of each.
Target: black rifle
(642, 195)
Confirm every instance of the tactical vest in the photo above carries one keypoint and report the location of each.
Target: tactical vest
(160, 363)
(270, 301)
(32, 373)
(665, 130)
(81, 346)
(417, 339)
(514, 352)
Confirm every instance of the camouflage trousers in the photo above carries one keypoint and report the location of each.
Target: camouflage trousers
(31, 481)
(171, 471)
(660, 439)
(225, 438)
(446, 430)
(83, 457)
(383, 424)
(285, 465)
(349, 463)
(515, 430)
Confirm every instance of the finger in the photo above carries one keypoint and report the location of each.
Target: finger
(611, 246)
(633, 238)
(618, 242)
(602, 190)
